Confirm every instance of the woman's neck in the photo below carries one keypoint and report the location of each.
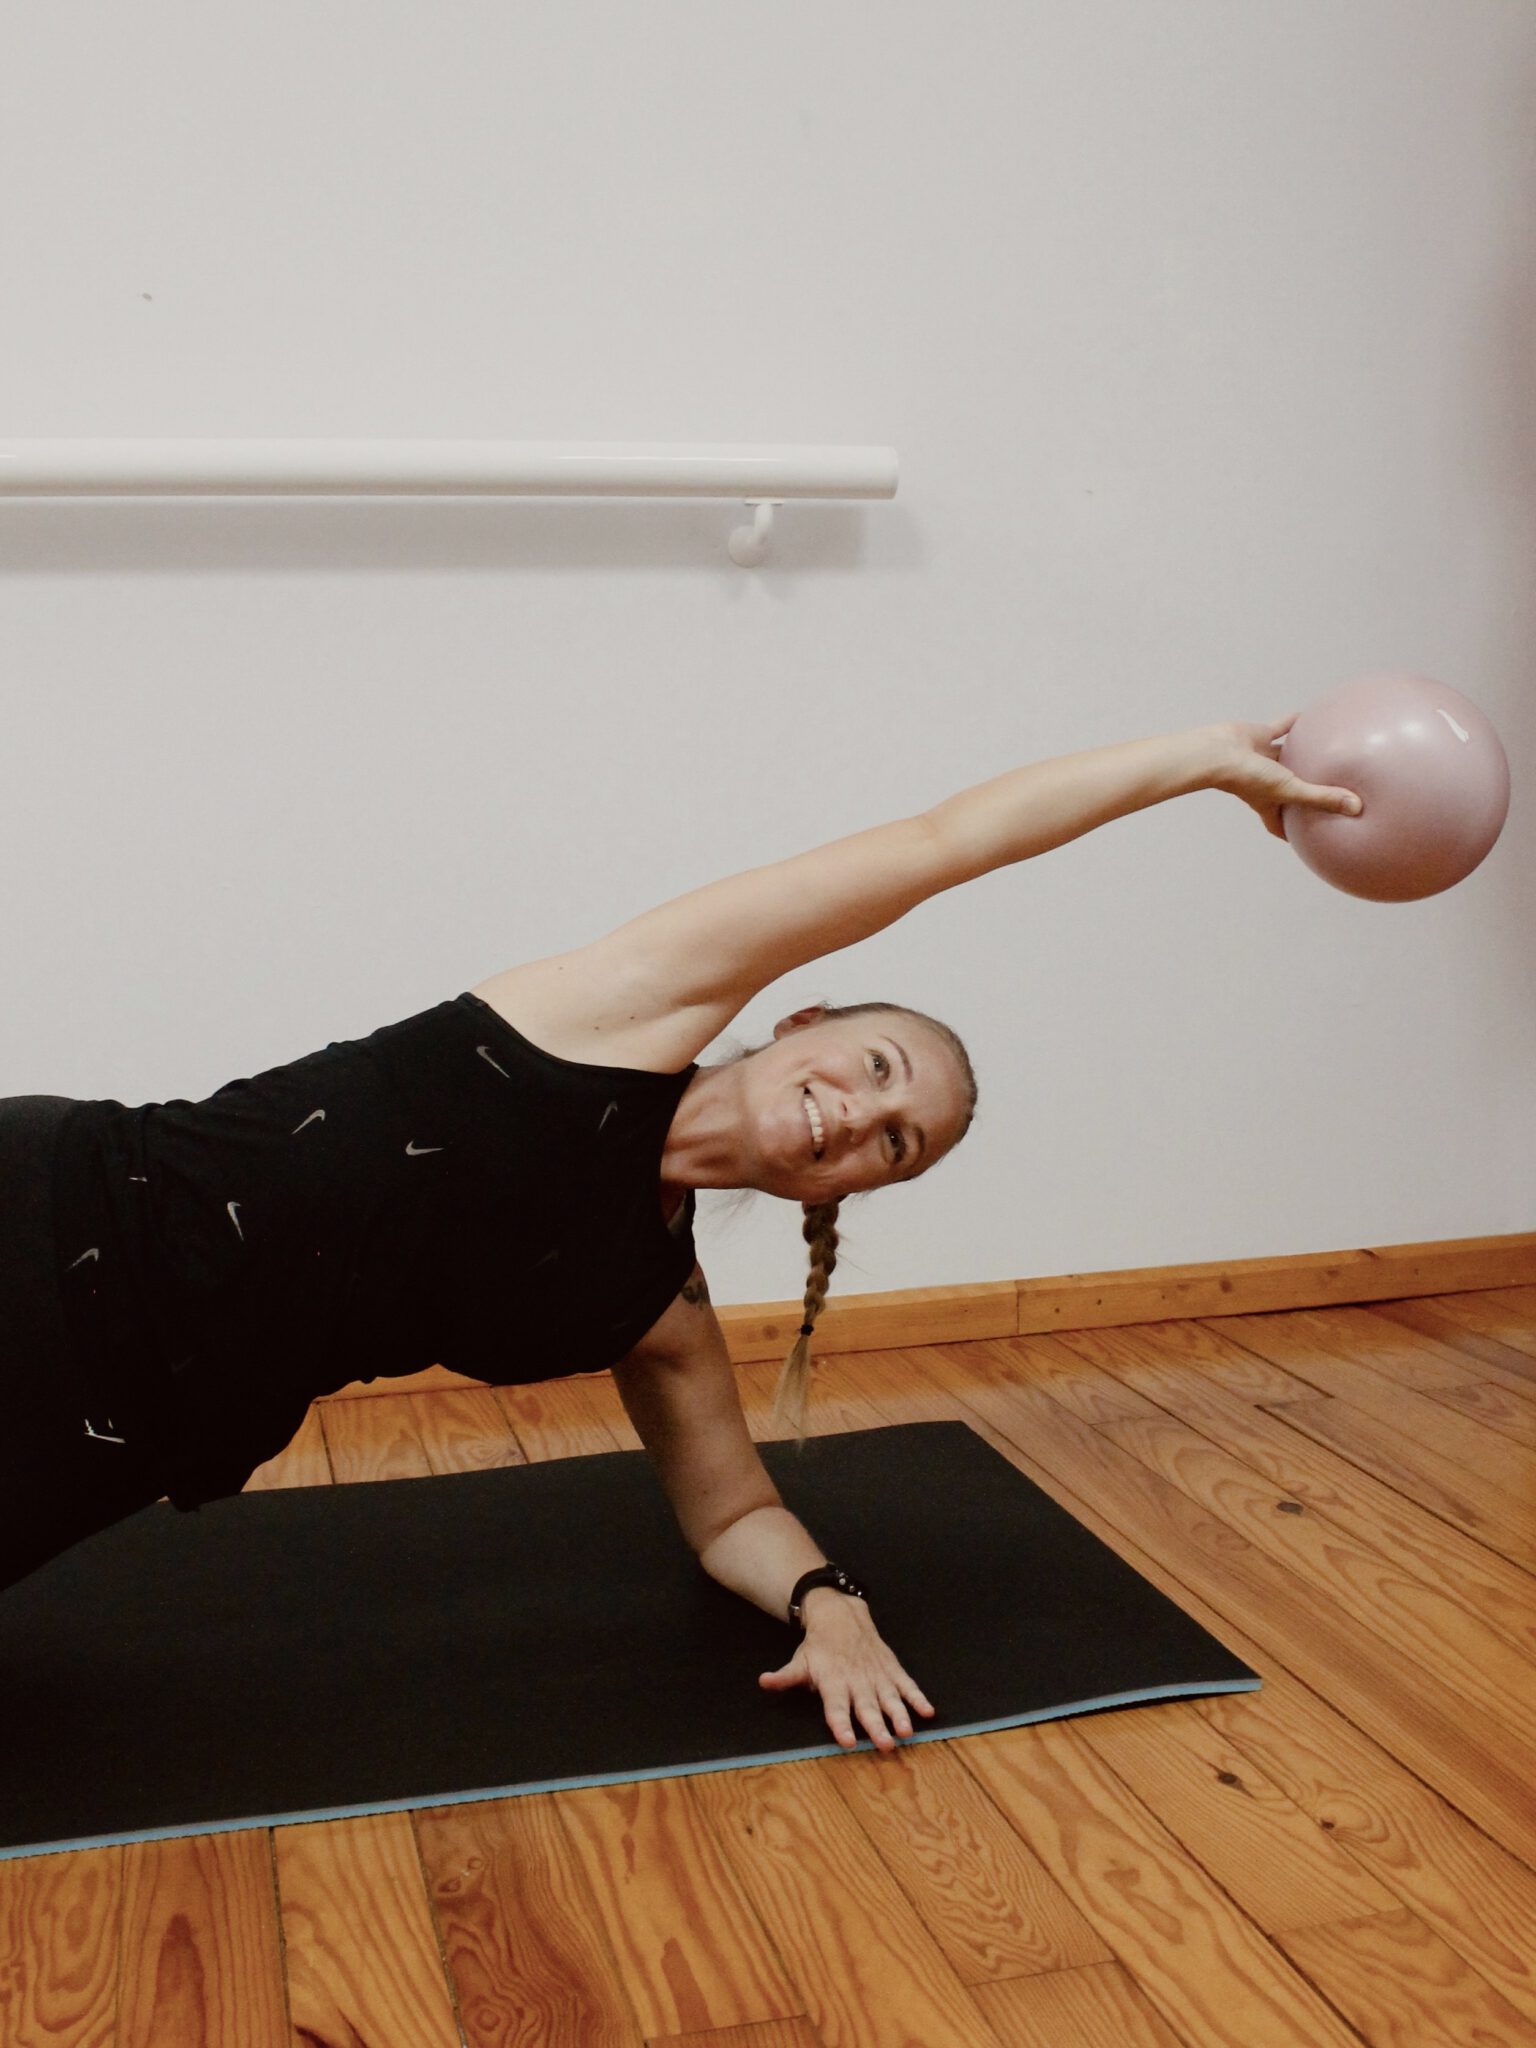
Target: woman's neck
(703, 1148)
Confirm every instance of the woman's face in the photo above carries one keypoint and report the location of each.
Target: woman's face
(837, 1105)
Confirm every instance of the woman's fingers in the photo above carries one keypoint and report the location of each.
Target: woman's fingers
(879, 1711)
(895, 1712)
(874, 1690)
(1321, 797)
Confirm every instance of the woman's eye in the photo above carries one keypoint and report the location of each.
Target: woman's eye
(898, 1148)
(882, 1065)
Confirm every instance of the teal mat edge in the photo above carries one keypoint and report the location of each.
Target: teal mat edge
(1142, 1697)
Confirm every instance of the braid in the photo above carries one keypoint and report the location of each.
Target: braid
(793, 1391)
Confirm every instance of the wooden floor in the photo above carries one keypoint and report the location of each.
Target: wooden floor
(1346, 1497)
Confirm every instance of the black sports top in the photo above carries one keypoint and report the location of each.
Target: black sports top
(439, 1192)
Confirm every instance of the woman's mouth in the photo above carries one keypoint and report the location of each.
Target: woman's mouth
(813, 1118)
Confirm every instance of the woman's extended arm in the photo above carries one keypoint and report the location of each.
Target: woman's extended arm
(697, 960)
(722, 943)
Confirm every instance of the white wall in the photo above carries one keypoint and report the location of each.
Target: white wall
(1205, 334)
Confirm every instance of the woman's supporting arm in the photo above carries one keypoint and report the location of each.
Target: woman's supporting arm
(680, 1392)
(762, 1555)
(842, 1655)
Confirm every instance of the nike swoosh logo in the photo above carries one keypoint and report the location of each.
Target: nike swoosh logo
(415, 1151)
(233, 1207)
(485, 1054)
(101, 1435)
(93, 1253)
(308, 1120)
(611, 1110)
(140, 1176)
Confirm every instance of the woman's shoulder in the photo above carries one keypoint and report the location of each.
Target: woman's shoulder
(595, 1013)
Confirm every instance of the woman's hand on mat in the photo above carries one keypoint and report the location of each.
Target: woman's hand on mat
(1245, 765)
(843, 1656)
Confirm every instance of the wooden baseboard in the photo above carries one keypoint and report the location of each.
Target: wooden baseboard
(1095, 1301)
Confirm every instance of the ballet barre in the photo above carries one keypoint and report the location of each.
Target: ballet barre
(762, 477)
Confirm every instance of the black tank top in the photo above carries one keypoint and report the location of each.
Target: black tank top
(441, 1192)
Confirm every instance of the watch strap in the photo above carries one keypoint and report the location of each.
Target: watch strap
(824, 1575)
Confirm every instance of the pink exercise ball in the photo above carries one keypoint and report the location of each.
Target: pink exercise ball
(1431, 775)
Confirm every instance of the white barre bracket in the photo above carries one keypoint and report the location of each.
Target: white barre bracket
(763, 477)
(749, 544)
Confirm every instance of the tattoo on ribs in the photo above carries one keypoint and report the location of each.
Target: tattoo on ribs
(696, 1288)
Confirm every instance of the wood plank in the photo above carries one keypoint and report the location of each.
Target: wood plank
(1473, 1892)
(1366, 1385)
(1505, 1522)
(1430, 1318)
(430, 1380)
(1511, 1414)
(1067, 1365)
(464, 1430)
(892, 1387)
(1477, 1897)
(1385, 1387)
(1452, 1658)
(869, 1973)
(1201, 1962)
(1398, 1982)
(1207, 1353)
(790, 2033)
(520, 1933)
(1480, 1452)
(872, 1322)
(1100, 2006)
(374, 1440)
(303, 1463)
(831, 1407)
(1489, 1315)
(1372, 1512)
(689, 1950)
(60, 1927)
(556, 1419)
(1410, 1358)
(1152, 1294)
(1458, 1265)
(359, 1945)
(1359, 1360)
(1371, 1680)
(201, 1966)
(1517, 1301)
(990, 1905)
(1272, 1859)
(1236, 1287)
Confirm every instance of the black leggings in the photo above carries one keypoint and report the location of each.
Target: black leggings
(58, 1485)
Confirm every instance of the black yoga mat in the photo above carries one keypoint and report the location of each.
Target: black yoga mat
(322, 1651)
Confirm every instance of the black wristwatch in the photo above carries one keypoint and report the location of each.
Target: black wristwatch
(824, 1575)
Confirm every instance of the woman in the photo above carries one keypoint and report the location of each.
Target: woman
(504, 1185)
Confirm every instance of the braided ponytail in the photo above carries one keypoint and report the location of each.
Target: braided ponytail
(792, 1394)
(793, 1391)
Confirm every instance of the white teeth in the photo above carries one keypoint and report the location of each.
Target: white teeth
(818, 1132)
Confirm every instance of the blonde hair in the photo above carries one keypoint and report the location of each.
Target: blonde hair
(791, 1397)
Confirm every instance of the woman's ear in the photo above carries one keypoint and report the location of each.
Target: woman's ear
(801, 1020)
